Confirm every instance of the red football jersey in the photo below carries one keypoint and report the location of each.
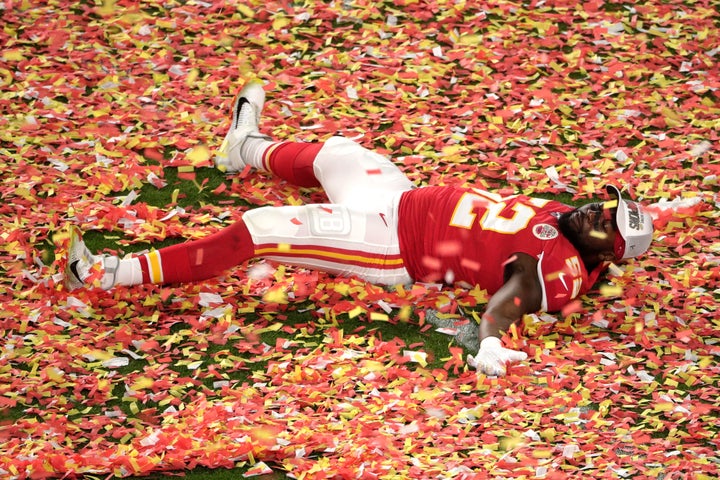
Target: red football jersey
(455, 234)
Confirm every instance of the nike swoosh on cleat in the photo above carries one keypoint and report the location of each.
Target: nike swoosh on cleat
(241, 102)
(73, 269)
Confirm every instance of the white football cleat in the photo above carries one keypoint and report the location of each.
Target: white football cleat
(246, 112)
(81, 262)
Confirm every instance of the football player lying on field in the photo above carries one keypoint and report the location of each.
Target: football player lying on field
(530, 254)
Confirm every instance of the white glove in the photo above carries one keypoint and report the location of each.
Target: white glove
(492, 357)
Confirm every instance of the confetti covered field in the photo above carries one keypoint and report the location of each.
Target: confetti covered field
(111, 114)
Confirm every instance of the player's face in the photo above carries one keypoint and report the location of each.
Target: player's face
(591, 229)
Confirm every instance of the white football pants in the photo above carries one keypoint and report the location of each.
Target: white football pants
(354, 234)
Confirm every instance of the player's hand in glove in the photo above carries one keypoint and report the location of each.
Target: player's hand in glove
(493, 357)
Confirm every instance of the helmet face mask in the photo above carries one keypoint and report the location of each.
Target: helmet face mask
(634, 227)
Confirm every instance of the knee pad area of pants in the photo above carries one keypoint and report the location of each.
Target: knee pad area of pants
(317, 220)
(330, 220)
(267, 220)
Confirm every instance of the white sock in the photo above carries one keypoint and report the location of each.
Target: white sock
(125, 271)
(253, 149)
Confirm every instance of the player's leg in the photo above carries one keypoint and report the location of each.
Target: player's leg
(351, 174)
(245, 147)
(332, 238)
(190, 261)
(345, 169)
(338, 239)
(291, 161)
(247, 108)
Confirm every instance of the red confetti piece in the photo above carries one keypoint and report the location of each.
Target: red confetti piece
(509, 260)
(448, 249)
(219, 189)
(574, 306)
(470, 264)
(431, 262)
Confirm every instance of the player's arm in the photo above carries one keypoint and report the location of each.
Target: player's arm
(520, 294)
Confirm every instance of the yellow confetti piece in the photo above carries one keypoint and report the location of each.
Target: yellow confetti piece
(107, 8)
(451, 150)
(271, 328)
(417, 357)
(275, 295)
(54, 374)
(548, 434)
(611, 290)
(280, 22)
(245, 10)
(542, 453)
(424, 395)
(514, 331)
(104, 151)
(199, 155)
(6, 76)
(14, 55)
(470, 39)
(663, 406)
(192, 77)
(373, 366)
(509, 443)
(142, 383)
(295, 201)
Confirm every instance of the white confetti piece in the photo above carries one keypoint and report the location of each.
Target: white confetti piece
(415, 356)
(116, 362)
(207, 299)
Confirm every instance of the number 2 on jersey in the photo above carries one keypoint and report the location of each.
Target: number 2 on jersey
(464, 215)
